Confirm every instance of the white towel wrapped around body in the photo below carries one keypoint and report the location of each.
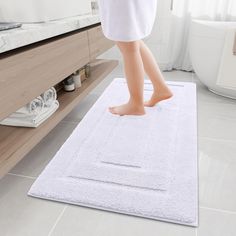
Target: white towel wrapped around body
(127, 20)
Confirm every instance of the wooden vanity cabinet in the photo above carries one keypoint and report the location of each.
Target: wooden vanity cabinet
(28, 71)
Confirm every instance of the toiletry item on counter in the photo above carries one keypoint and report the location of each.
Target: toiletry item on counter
(94, 6)
(35, 112)
(69, 84)
(87, 70)
(82, 74)
(77, 79)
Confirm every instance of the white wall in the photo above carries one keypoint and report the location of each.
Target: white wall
(158, 40)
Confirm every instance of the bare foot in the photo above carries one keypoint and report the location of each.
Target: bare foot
(127, 109)
(157, 97)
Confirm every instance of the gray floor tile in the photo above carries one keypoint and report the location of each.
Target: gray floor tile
(217, 173)
(36, 160)
(178, 76)
(21, 215)
(216, 223)
(90, 222)
(82, 108)
(205, 95)
(216, 114)
(217, 120)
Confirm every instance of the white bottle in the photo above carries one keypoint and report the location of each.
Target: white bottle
(77, 79)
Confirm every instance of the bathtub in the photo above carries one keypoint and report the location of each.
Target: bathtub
(206, 46)
(33, 11)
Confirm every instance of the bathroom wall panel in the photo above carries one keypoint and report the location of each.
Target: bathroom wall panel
(98, 43)
(27, 73)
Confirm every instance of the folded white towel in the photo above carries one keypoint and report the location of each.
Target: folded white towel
(127, 20)
(49, 96)
(33, 108)
(32, 121)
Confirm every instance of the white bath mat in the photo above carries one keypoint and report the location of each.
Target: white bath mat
(138, 165)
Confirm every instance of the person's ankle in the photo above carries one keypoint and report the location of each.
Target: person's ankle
(162, 89)
(136, 102)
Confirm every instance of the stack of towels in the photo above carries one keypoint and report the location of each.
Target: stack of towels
(35, 112)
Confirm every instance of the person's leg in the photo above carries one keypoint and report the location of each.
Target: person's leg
(161, 90)
(134, 72)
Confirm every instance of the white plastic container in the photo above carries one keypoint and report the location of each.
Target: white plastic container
(77, 80)
(32, 11)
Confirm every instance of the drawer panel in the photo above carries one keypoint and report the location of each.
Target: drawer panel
(28, 73)
(98, 43)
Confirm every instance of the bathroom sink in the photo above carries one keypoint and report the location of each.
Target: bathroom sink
(32, 11)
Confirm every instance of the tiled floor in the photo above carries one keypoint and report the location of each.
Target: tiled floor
(26, 216)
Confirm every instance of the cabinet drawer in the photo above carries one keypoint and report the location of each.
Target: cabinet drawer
(26, 74)
(98, 43)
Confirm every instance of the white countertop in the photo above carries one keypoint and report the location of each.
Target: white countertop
(34, 32)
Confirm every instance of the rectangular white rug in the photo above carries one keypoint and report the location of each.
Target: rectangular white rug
(138, 165)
